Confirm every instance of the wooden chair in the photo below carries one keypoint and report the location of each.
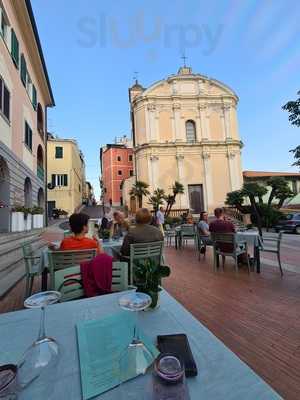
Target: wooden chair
(68, 281)
(228, 239)
(272, 245)
(32, 267)
(59, 260)
(144, 251)
(187, 232)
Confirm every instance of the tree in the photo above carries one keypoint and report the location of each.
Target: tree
(177, 188)
(139, 190)
(293, 108)
(157, 199)
(236, 199)
(254, 191)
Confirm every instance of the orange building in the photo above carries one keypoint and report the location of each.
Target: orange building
(116, 161)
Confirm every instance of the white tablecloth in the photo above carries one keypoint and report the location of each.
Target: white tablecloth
(222, 375)
(251, 237)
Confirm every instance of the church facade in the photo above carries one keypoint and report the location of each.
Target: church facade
(185, 129)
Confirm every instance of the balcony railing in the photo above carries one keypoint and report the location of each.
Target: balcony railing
(40, 172)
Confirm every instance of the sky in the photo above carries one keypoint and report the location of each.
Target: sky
(94, 48)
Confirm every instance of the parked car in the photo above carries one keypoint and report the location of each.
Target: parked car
(290, 223)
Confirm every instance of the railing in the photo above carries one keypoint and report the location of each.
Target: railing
(177, 212)
(40, 172)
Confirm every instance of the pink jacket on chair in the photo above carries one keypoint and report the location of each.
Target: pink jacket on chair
(97, 275)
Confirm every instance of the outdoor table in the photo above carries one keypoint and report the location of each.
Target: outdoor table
(221, 374)
(253, 239)
(109, 247)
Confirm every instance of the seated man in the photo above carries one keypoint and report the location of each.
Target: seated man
(220, 225)
(120, 226)
(143, 232)
(78, 241)
(203, 228)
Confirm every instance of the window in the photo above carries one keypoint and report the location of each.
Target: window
(28, 84)
(59, 180)
(15, 48)
(58, 152)
(28, 136)
(34, 97)
(4, 100)
(130, 157)
(79, 188)
(131, 172)
(190, 131)
(23, 70)
(3, 25)
(119, 158)
(119, 172)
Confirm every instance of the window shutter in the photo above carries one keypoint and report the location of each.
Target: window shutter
(6, 103)
(34, 97)
(53, 180)
(65, 180)
(30, 138)
(14, 48)
(23, 70)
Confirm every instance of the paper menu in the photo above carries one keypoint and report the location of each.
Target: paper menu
(100, 343)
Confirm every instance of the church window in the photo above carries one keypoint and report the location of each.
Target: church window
(190, 128)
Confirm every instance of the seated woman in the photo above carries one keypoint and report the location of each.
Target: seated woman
(203, 228)
(143, 232)
(78, 241)
(120, 226)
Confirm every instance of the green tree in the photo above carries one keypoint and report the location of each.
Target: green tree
(157, 199)
(254, 191)
(236, 199)
(293, 108)
(139, 190)
(177, 188)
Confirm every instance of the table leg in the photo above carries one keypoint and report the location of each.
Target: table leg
(44, 279)
(257, 258)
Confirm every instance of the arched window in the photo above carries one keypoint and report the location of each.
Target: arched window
(190, 128)
(40, 120)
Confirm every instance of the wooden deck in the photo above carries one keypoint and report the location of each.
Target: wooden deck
(256, 316)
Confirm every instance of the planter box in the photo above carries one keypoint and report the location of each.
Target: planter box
(17, 222)
(38, 221)
(28, 222)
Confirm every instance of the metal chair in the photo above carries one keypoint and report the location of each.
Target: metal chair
(144, 251)
(202, 242)
(59, 260)
(187, 232)
(68, 281)
(169, 234)
(272, 245)
(67, 233)
(228, 239)
(32, 267)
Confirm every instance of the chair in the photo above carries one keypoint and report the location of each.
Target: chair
(144, 251)
(59, 260)
(272, 245)
(169, 234)
(238, 248)
(67, 233)
(202, 243)
(187, 232)
(68, 281)
(32, 267)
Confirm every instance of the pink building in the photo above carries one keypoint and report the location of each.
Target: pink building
(116, 165)
(25, 94)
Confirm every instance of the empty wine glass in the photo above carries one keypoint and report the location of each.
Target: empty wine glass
(42, 356)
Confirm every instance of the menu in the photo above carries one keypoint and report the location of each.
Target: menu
(101, 343)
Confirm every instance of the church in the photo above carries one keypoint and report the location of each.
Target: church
(185, 129)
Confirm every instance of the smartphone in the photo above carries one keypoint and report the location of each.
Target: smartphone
(178, 345)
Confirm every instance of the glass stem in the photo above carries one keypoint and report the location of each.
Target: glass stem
(42, 333)
(136, 335)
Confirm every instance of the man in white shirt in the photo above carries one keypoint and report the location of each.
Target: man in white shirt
(160, 216)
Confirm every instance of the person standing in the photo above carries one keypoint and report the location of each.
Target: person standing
(160, 216)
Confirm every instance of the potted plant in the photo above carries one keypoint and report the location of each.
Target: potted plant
(147, 278)
(38, 217)
(105, 233)
(17, 218)
(27, 218)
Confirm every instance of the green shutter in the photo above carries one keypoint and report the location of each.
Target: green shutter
(23, 70)
(53, 180)
(65, 180)
(34, 97)
(14, 48)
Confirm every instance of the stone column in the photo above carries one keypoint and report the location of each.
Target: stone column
(234, 180)
(208, 180)
(154, 170)
(226, 121)
(177, 121)
(183, 199)
(204, 121)
(151, 110)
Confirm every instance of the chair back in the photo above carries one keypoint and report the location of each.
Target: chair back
(187, 230)
(67, 233)
(27, 249)
(29, 258)
(69, 283)
(222, 238)
(119, 276)
(64, 259)
(144, 251)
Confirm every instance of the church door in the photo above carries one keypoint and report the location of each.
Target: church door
(196, 198)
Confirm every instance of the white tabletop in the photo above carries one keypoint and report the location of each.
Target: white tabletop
(222, 375)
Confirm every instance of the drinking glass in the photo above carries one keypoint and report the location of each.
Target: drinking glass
(42, 356)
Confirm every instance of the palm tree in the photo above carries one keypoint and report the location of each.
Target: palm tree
(139, 189)
(177, 188)
(157, 199)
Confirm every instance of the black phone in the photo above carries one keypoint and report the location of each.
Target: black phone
(178, 345)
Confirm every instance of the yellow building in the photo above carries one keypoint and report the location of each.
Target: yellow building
(66, 175)
(185, 129)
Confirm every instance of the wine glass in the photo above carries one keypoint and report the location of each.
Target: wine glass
(42, 356)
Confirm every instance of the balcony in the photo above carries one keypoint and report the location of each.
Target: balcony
(40, 172)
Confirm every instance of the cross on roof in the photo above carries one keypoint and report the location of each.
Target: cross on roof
(184, 59)
(135, 77)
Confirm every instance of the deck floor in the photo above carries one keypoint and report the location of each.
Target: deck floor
(256, 316)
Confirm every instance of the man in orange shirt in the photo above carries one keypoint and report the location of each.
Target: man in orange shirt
(79, 226)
